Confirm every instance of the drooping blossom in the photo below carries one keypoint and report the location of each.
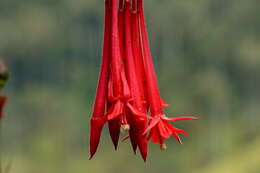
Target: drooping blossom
(159, 125)
(97, 119)
(127, 89)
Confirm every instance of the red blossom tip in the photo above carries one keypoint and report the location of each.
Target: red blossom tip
(180, 118)
(160, 128)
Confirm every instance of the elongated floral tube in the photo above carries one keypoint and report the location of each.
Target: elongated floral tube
(152, 86)
(131, 76)
(121, 93)
(116, 60)
(136, 107)
(137, 52)
(115, 84)
(159, 126)
(97, 119)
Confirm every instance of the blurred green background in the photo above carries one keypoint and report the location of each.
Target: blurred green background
(207, 57)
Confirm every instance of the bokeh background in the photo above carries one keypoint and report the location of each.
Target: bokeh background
(207, 57)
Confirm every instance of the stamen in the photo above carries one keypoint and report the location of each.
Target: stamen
(125, 128)
(163, 146)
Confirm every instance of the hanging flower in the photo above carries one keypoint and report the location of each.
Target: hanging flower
(127, 89)
(159, 126)
(97, 119)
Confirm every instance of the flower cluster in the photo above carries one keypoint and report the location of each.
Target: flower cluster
(127, 90)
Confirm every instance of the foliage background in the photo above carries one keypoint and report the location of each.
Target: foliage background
(207, 57)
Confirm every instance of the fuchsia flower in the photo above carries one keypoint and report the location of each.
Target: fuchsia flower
(159, 126)
(97, 119)
(127, 88)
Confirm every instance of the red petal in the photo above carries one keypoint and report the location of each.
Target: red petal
(164, 104)
(114, 130)
(153, 123)
(137, 112)
(163, 129)
(180, 118)
(126, 90)
(116, 110)
(155, 135)
(95, 133)
(179, 131)
(133, 138)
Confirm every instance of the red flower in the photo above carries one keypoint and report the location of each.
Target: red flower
(136, 106)
(159, 126)
(119, 91)
(127, 88)
(160, 129)
(97, 120)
